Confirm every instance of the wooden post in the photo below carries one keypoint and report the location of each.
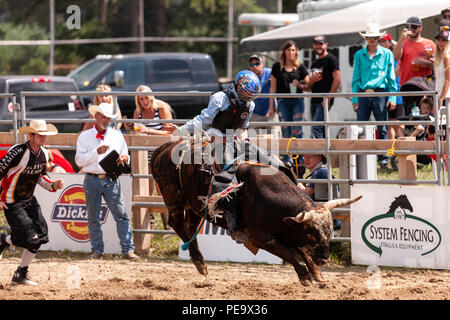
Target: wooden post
(344, 192)
(141, 217)
(407, 164)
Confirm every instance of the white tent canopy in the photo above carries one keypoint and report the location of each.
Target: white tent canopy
(341, 27)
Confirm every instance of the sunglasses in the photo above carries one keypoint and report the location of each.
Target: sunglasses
(413, 26)
(446, 16)
(254, 64)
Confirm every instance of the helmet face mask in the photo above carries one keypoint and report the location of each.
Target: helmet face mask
(248, 86)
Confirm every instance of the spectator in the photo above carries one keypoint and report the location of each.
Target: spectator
(426, 109)
(256, 65)
(442, 65)
(147, 107)
(373, 71)
(394, 114)
(287, 75)
(92, 147)
(445, 19)
(101, 99)
(53, 167)
(423, 132)
(326, 77)
(315, 163)
(414, 54)
(21, 170)
(445, 14)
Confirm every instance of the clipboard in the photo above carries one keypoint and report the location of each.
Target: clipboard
(109, 164)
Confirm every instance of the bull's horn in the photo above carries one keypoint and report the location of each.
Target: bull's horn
(303, 216)
(330, 205)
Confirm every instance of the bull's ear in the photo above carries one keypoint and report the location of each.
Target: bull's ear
(290, 221)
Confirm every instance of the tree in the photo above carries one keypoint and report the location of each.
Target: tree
(23, 59)
(115, 18)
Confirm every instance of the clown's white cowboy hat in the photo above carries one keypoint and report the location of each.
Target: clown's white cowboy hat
(40, 127)
(104, 108)
(372, 30)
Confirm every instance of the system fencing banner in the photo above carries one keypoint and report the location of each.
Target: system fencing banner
(405, 226)
(66, 215)
(216, 245)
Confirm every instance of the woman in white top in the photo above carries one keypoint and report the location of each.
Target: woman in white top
(442, 64)
(147, 107)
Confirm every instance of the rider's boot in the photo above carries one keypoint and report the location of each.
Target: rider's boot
(230, 214)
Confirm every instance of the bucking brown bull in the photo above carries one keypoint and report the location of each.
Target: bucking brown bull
(276, 215)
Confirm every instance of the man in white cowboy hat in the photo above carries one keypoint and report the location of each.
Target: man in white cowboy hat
(373, 71)
(21, 169)
(92, 146)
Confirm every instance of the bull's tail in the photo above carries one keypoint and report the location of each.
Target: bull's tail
(330, 205)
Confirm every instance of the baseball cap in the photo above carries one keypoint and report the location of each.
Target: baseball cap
(320, 39)
(254, 56)
(414, 20)
(445, 10)
(443, 34)
(387, 36)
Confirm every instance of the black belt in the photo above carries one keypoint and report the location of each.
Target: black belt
(373, 90)
(100, 175)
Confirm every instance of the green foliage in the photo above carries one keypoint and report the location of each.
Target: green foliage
(29, 19)
(23, 59)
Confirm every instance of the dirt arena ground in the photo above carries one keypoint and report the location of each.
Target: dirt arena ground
(63, 276)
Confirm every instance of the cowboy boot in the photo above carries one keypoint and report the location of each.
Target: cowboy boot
(231, 216)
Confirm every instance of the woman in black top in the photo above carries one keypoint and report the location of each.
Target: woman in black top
(288, 75)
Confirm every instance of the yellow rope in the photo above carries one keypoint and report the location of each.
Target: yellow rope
(391, 152)
(293, 158)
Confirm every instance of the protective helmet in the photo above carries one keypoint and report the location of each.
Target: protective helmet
(248, 86)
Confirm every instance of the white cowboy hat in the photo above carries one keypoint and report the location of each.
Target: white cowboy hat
(40, 127)
(372, 30)
(104, 108)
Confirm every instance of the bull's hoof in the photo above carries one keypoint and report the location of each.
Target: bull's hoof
(318, 277)
(305, 282)
(201, 267)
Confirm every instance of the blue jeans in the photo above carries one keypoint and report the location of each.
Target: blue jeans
(94, 189)
(380, 113)
(317, 114)
(291, 109)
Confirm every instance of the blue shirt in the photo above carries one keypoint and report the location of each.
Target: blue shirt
(320, 173)
(378, 72)
(218, 102)
(321, 189)
(399, 98)
(262, 104)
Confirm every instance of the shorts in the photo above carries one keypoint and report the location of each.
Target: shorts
(26, 221)
(397, 112)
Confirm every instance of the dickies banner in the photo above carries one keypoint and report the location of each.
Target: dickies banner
(406, 226)
(66, 215)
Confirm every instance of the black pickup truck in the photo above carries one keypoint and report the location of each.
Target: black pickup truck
(46, 107)
(160, 71)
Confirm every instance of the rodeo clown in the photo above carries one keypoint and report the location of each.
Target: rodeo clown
(228, 115)
(21, 169)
